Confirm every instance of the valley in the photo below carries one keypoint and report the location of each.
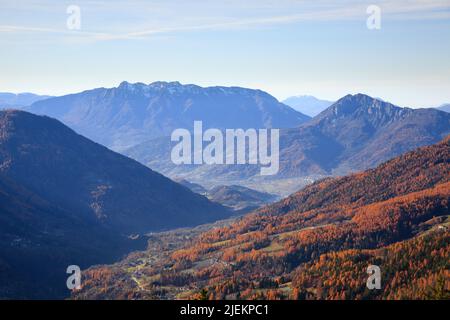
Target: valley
(335, 224)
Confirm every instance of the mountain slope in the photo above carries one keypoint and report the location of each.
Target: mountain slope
(274, 252)
(132, 113)
(194, 187)
(308, 105)
(70, 171)
(444, 107)
(39, 240)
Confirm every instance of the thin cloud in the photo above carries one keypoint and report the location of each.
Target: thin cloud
(22, 29)
(307, 11)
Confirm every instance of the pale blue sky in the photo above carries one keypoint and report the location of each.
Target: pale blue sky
(286, 47)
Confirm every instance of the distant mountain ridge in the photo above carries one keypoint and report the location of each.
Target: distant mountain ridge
(355, 133)
(308, 105)
(124, 116)
(19, 100)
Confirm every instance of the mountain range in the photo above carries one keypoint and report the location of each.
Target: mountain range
(67, 200)
(308, 105)
(355, 133)
(315, 244)
(129, 114)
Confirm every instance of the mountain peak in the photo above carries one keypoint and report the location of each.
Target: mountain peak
(131, 86)
(166, 84)
(360, 98)
(362, 105)
(157, 87)
(307, 104)
(156, 84)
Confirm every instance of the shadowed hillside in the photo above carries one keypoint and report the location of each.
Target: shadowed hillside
(67, 200)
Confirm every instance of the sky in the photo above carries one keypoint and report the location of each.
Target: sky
(285, 47)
